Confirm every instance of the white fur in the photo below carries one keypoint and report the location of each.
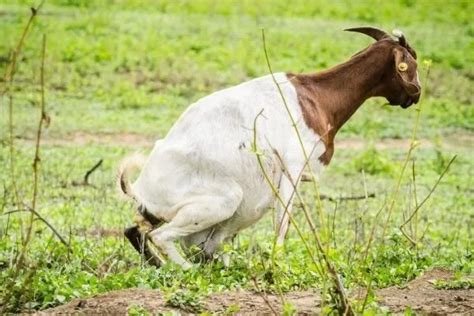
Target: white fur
(135, 161)
(204, 179)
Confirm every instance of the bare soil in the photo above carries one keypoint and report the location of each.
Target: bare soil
(420, 294)
(112, 139)
(139, 140)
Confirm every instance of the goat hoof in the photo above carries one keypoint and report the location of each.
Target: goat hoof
(186, 266)
(141, 246)
(134, 237)
(280, 241)
(226, 260)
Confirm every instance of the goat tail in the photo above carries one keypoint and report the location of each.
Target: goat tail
(130, 163)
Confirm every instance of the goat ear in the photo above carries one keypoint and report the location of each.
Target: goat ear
(410, 50)
(373, 32)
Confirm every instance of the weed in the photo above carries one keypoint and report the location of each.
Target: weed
(373, 162)
(232, 309)
(185, 300)
(135, 310)
(458, 284)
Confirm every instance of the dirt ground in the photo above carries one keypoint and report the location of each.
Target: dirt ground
(139, 140)
(419, 294)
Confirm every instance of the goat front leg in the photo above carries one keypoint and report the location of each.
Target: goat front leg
(288, 183)
(226, 256)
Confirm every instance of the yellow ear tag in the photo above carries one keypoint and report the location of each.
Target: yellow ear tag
(402, 66)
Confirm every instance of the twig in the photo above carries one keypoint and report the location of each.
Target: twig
(264, 296)
(43, 116)
(414, 143)
(41, 218)
(4, 203)
(366, 298)
(333, 236)
(88, 173)
(8, 80)
(346, 198)
(7, 226)
(298, 134)
(13, 212)
(415, 195)
(372, 231)
(11, 69)
(338, 286)
(424, 200)
(391, 204)
(277, 195)
(345, 306)
(36, 158)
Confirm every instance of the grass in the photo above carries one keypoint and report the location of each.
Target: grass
(455, 284)
(98, 264)
(113, 64)
(133, 67)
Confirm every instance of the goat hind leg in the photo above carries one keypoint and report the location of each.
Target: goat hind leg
(197, 214)
(139, 241)
(137, 235)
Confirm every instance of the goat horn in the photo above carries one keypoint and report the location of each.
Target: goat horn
(373, 32)
(401, 38)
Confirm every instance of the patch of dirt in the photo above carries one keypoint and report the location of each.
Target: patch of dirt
(114, 139)
(140, 140)
(422, 296)
(419, 294)
(100, 232)
(119, 302)
(307, 302)
(388, 143)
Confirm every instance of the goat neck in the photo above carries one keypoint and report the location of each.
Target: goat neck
(329, 98)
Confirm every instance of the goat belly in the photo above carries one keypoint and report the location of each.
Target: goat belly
(211, 148)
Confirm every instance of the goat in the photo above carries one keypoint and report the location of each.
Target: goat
(202, 184)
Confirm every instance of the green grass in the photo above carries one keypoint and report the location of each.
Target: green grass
(109, 64)
(133, 67)
(457, 284)
(99, 264)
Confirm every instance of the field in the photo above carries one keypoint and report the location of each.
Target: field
(117, 76)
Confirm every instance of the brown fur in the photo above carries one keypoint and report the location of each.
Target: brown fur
(329, 98)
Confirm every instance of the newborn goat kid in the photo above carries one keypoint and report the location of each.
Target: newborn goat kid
(202, 184)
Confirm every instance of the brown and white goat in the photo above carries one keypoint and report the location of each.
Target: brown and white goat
(202, 183)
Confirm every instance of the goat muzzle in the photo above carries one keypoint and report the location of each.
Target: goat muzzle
(408, 103)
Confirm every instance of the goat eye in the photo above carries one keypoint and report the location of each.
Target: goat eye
(402, 66)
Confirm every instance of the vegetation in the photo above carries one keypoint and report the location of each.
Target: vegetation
(455, 284)
(126, 69)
